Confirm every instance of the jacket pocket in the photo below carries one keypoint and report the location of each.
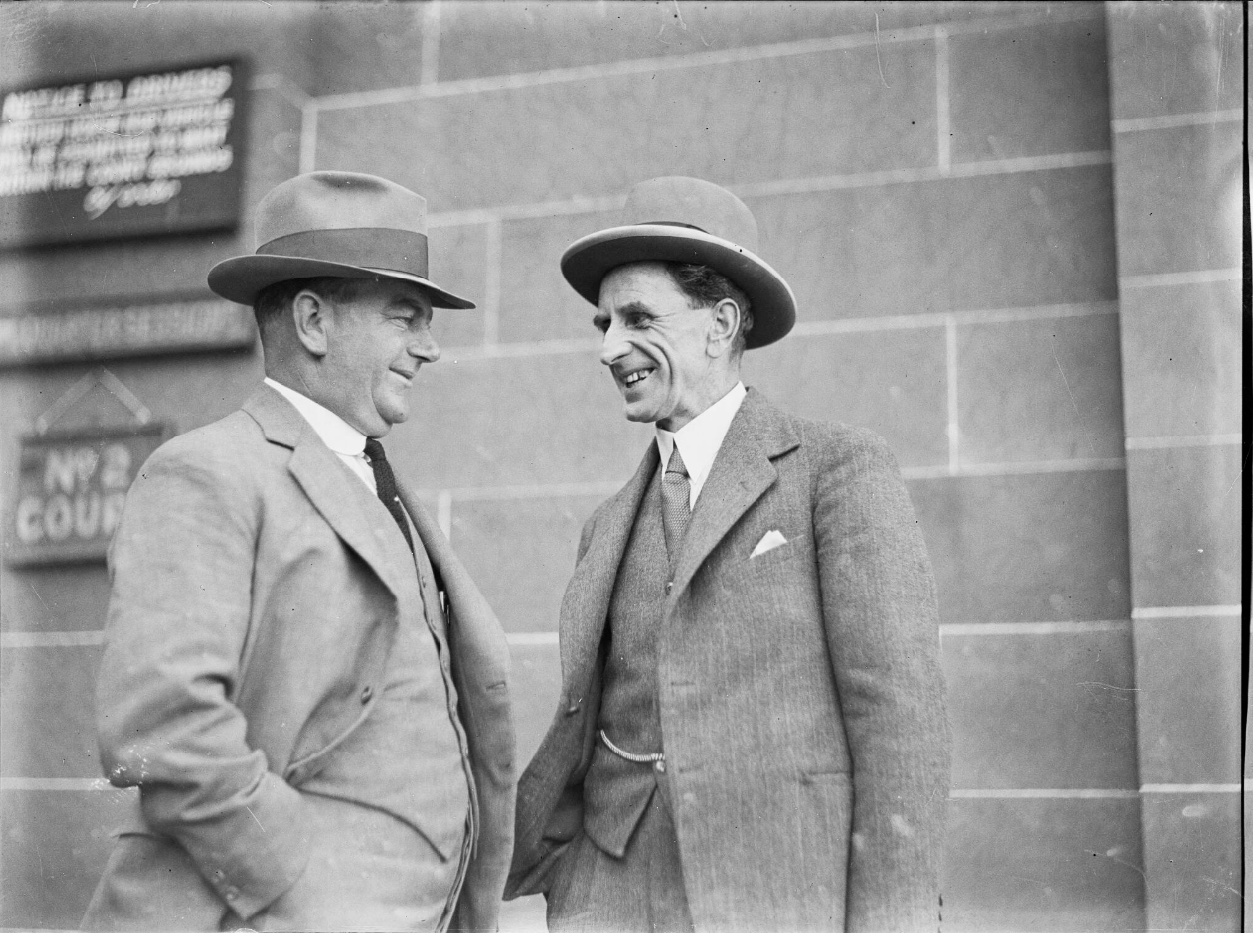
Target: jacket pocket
(306, 766)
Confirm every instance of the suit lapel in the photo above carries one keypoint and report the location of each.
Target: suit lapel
(325, 479)
(741, 473)
(586, 603)
(473, 630)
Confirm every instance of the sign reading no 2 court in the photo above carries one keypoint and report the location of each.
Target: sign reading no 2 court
(70, 491)
(156, 152)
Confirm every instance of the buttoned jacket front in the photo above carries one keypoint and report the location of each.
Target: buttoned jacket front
(258, 587)
(799, 690)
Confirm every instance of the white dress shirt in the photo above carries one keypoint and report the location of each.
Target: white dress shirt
(701, 438)
(346, 441)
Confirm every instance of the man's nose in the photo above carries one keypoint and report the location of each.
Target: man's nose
(424, 346)
(613, 346)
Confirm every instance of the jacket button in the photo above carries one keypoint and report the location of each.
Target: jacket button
(574, 707)
(669, 587)
(366, 693)
(660, 767)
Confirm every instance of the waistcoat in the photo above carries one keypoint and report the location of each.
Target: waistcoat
(616, 791)
(410, 757)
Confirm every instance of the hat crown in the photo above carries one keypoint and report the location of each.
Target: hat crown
(692, 202)
(338, 201)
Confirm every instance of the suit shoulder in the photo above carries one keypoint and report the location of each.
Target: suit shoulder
(228, 448)
(835, 444)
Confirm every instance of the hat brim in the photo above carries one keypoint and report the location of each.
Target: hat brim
(587, 261)
(241, 279)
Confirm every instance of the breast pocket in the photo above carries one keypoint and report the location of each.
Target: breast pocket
(771, 556)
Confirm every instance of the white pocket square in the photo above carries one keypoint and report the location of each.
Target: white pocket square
(769, 541)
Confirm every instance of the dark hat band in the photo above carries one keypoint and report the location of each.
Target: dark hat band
(371, 247)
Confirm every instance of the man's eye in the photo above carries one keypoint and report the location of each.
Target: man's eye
(600, 324)
(637, 320)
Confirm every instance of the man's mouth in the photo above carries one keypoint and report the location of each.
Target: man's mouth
(635, 378)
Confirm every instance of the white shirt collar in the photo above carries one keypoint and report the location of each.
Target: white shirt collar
(336, 433)
(701, 438)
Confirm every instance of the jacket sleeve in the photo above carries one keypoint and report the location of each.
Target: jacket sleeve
(182, 566)
(881, 618)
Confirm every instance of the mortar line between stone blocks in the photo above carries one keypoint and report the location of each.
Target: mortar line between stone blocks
(10, 640)
(308, 137)
(525, 639)
(1043, 793)
(1142, 613)
(980, 629)
(524, 348)
(609, 487)
(529, 491)
(533, 211)
(59, 639)
(1190, 788)
(1170, 442)
(430, 43)
(1203, 277)
(943, 129)
(491, 285)
(1019, 468)
(950, 367)
(816, 184)
(628, 67)
(1171, 121)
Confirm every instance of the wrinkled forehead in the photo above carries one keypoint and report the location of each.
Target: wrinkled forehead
(647, 282)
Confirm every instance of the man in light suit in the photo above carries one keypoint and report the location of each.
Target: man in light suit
(751, 734)
(300, 678)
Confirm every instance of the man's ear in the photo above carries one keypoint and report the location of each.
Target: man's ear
(311, 314)
(724, 320)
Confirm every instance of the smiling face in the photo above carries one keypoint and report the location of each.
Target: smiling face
(668, 359)
(377, 337)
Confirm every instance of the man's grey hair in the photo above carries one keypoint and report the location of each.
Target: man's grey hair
(704, 288)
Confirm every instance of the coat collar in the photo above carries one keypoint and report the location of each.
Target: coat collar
(741, 473)
(322, 476)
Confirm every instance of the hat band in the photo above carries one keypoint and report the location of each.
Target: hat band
(370, 247)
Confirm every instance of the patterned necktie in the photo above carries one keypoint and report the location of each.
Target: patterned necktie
(676, 509)
(385, 483)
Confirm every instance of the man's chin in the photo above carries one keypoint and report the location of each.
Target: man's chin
(638, 415)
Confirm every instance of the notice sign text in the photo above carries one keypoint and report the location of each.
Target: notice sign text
(122, 156)
(70, 492)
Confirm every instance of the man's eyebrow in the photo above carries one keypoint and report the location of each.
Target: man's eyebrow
(406, 303)
(634, 307)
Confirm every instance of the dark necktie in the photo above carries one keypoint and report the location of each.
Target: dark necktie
(676, 509)
(385, 483)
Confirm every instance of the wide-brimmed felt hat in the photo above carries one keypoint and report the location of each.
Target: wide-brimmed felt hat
(340, 224)
(687, 220)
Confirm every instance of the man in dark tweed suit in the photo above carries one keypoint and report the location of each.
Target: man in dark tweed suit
(752, 732)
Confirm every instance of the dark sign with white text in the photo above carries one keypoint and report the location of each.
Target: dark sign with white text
(136, 154)
(70, 492)
(139, 329)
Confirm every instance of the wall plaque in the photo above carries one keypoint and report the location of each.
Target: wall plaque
(140, 329)
(122, 155)
(70, 490)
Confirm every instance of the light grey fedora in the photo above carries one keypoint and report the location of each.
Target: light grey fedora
(678, 219)
(341, 224)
